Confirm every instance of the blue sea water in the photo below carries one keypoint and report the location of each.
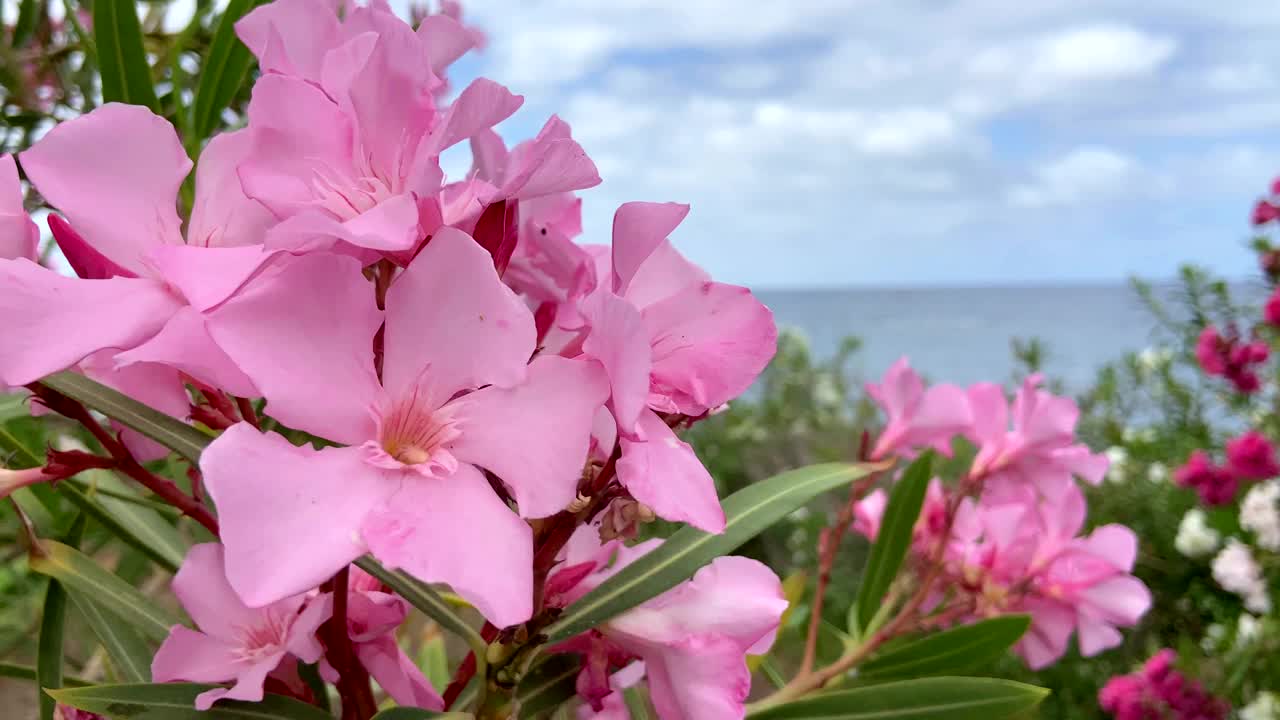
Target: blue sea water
(963, 335)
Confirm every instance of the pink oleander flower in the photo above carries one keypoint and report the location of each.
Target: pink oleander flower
(143, 291)
(1215, 485)
(1271, 311)
(372, 618)
(1040, 452)
(1158, 691)
(457, 395)
(672, 341)
(1264, 212)
(1252, 457)
(918, 418)
(19, 237)
(929, 527)
(1231, 358)
(1210, 351)
(235, 642)
(692, 640)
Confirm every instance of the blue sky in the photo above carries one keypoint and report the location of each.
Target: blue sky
(906, 142)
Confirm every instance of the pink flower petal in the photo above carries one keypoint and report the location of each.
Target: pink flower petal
(87, 262)
(663, 472)
(704, 677)
(303, 333)
(222, 216)
(187, 655)
(534, 436)
(303, 30)
(158, 386)
(290, 515)
(450, 315)
(446, 41)
(483, 104)
(202, 588)
(19, 236)
(53, 322)
(397, 674)
(619, 340)
(445, 529)
(665, 273)
(184, 343)
(639, 228)
(114, 173)
(208, 276)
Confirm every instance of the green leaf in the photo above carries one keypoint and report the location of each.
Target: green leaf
(14, 406)
(941, 698)
(176, 701)
(959, 648)
(894, 540)
(131, 655)
(747, 512)
(26, 672)
(28, 15)
(49, 661)
(225, 67)
(404, 713)
(548, 685)
(154, 534)
(164, 429)
(122, 60)
(80, 572)
(421, 596)
(122, 525)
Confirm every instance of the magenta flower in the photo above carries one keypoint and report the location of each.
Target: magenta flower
(372, 619)
(457, 394)
(692, 640)
(1252, 457)
(143, 292)
(1271, 311)
(235, 642)
(1040, 451)
(1158, 690)
(1215, 485)
(19, 237)
(1264, 212)
(1210, 351)
(918, 418)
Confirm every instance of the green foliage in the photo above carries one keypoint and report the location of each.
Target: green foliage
(939, 698)
(176, 701)
(960, 648)
(893, 541)
(122, 59)
(223, 72)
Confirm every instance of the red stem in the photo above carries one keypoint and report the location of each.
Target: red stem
(248, 413)
(353, 679)
(467, 669)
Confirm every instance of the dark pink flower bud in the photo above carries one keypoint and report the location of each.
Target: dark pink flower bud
(1209, 351)
(1252, 457)
(1271, 311)
(1246, 382)
(1264, 212)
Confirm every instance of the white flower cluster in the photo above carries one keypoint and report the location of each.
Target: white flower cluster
(1154, 359)
(1117, 464)
(1236, 571)
(1260, 514)
(1195, 537)
(1265, 706)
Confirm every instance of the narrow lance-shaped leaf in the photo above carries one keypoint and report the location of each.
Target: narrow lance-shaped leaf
(25, 26)
(176, 701)
(959, 648)
(405, 713)
(747, 513)
(942, 698)
(78, 571)
(223, 71)
(164, 429)
(52, 622)
(130, 655)
(14, 671)
(548, 685)
(122, 59)
(140, 526)
(891, 546)
(421, 596)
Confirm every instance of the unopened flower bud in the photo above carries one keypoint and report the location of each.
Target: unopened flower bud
(623, 518)
(11, 480)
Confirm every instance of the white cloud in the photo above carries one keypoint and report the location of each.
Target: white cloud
(1085, 173)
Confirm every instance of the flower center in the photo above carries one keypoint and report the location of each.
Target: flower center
(412, 433)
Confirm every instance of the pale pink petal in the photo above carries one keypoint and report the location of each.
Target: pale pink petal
(445, 529)
(450, 312)
(302, 640)
(446, 41)
(710, 342)
(990, 412)
(483, 104)
(290, 515)
(604, 435)
(299, 138)
(302, 29)
(19, 237)
(114, 173)
(1081, 462)
(489, 156)
(158, 386)
(187, 655)
(619, 340)
(639, 228)
(942, 415)
(534, 436)
(664, 473)
(53, 322)
(704, 677)
(397, 675)
(222, 216)
(1046, 640)
(664, 274)
(303, 333)
(551, 163)
(1121, 600)
(249, 685)
(390, 226)
(87, 262)
(1094, 636)
(202, 588)
(184, 343)
(206, 276)
(868, 512)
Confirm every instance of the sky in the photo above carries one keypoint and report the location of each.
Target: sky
(831, 143)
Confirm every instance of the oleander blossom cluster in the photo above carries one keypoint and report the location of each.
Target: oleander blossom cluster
(443, 368)
(1158, 691)
(1007, 537)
